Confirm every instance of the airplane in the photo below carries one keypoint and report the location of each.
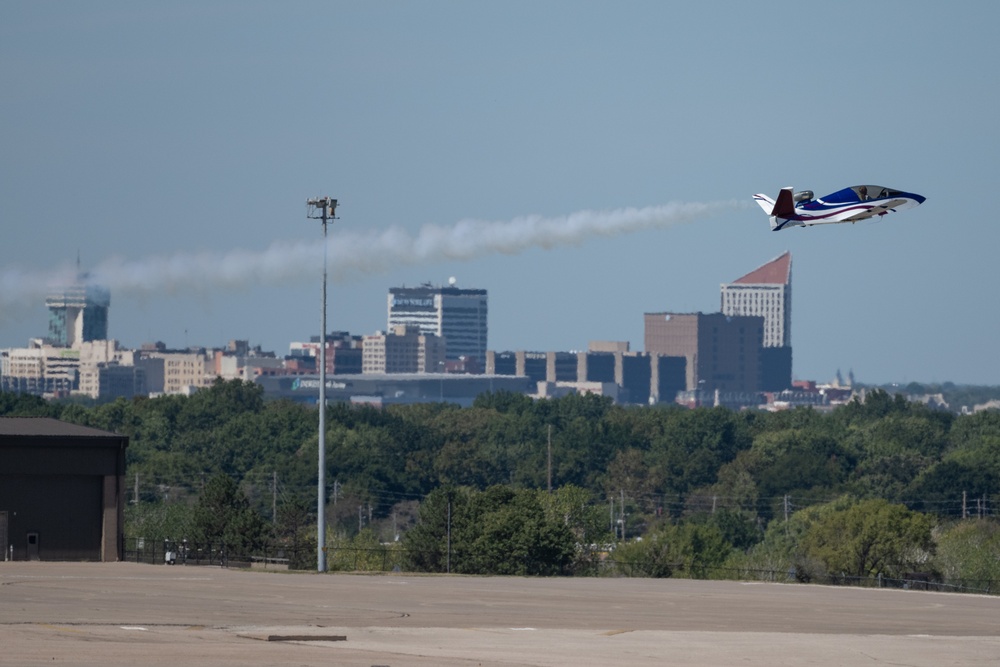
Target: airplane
(860, 202)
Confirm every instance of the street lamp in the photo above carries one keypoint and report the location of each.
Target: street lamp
(325, 209)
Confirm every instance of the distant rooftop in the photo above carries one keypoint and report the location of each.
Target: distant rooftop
(776, 272)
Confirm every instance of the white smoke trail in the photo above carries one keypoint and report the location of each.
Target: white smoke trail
(352, 253)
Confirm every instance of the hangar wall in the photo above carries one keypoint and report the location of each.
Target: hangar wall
(61, 491)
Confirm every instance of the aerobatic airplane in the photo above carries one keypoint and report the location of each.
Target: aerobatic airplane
(800, 209)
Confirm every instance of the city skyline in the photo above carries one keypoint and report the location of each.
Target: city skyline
(584, 163)
(772, 273)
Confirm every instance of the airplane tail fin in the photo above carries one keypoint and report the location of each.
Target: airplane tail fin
(785, 206)
(780, 210)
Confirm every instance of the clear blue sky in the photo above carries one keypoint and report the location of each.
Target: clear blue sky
(185, 137)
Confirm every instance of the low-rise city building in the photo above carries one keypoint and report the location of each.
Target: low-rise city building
(343, 354)
(640, 377)
(403, 350)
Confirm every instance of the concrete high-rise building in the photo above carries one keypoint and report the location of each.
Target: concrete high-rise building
(457, 315)
(78, 313)
(767, 292)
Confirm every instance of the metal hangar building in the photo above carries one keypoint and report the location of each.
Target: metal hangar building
(61, 491)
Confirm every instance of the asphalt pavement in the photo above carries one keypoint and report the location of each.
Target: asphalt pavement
(106, 614)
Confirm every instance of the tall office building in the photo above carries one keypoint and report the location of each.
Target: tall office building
(721, 352)
(78, 313)
(457, 315)
(767, 292)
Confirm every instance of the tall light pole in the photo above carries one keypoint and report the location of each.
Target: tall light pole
(325, 209)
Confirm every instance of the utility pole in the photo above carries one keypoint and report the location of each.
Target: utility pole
(325, 209)
(550, 458)
(274, 498)
(623, 514)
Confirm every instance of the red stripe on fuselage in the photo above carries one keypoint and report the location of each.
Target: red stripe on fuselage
(838, 211)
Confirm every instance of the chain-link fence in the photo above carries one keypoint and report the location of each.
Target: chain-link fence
(183, 552)
(923, 581)
(394, 558)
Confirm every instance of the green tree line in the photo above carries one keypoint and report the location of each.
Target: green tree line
(708, 486)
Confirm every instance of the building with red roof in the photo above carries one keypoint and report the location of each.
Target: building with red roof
(767, 292)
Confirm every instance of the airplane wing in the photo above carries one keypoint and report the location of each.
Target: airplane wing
(864, 215)
(881, 209)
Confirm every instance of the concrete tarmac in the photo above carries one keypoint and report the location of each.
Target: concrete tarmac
(101, 614)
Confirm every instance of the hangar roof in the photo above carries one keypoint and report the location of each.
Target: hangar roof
(47, 427)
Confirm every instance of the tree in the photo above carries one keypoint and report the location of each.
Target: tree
(428, 544)
(877, 404)
(735, 488)
(871, 538)
(496, 531)
(973, 431)
(504, 401)
(968, 554)
(790, 460)
(888, 476)
(695, 444)
(295, 532)
(158, 521)
(574, 506)
(223, 514)
(941, 485)
(629, 473)
(223, 400)
(14, 404)
(696, 550)
(475, 449)
(769, 560)
(512, 535)
(737, 527)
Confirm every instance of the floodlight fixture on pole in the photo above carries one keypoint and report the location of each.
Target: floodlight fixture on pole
(325, 209)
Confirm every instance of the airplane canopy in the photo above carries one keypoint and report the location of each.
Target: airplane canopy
(859, 193)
